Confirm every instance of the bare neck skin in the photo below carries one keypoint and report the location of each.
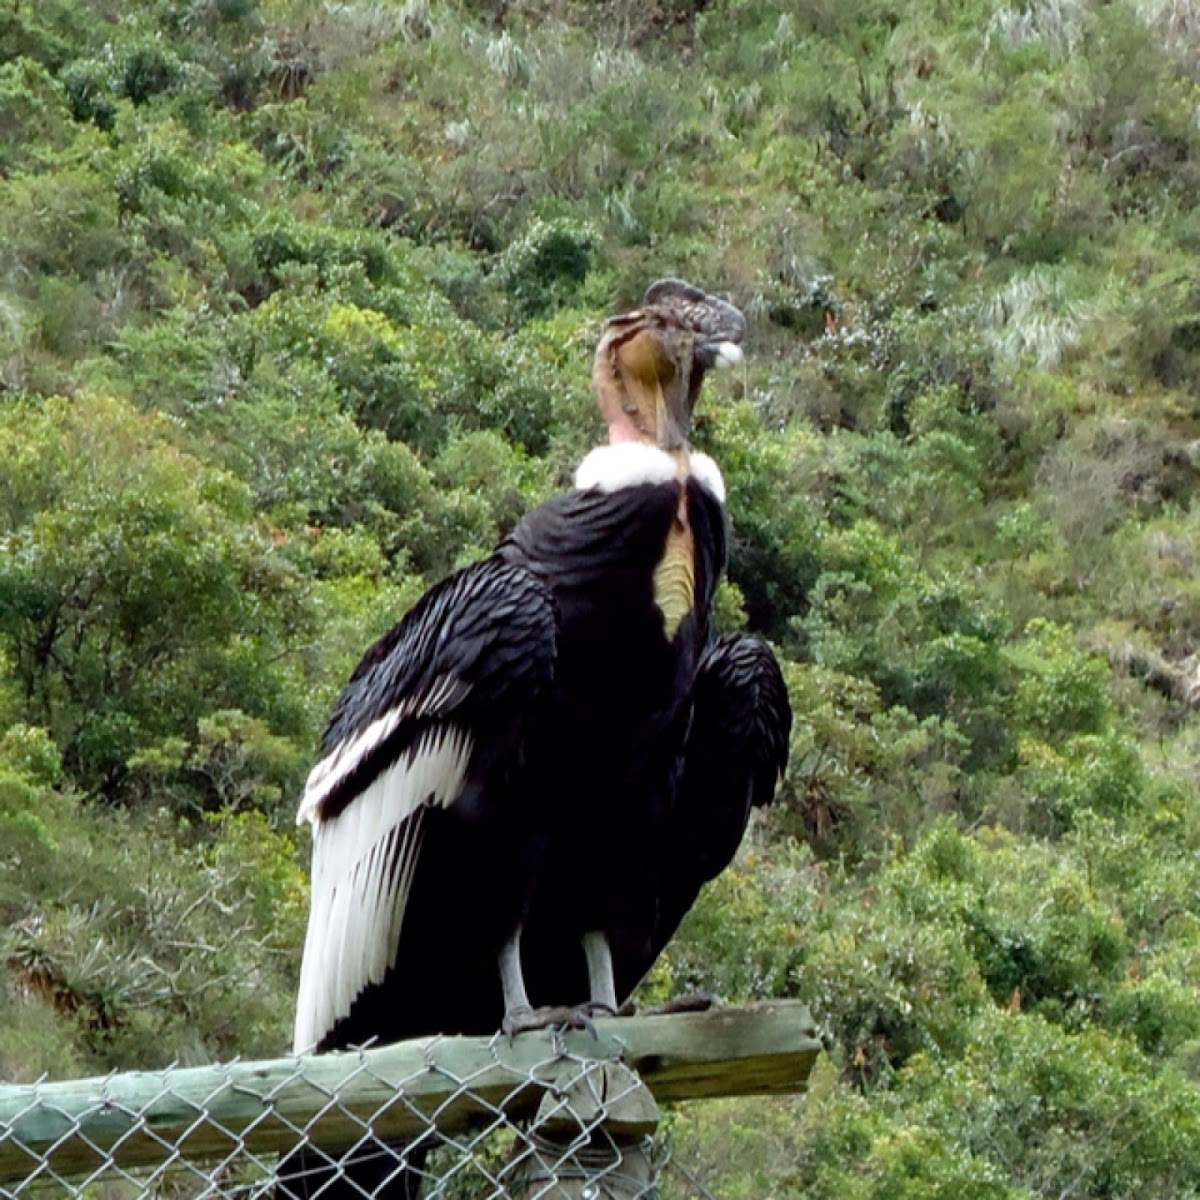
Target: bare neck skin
(641, 386)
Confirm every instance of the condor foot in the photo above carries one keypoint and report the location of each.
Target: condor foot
(561, 1016)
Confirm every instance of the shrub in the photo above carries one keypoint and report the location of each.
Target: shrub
(130, 585)
(546, 266)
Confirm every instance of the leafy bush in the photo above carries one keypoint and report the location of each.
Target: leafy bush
(1063, 691)
(125, 598)
(546, 266)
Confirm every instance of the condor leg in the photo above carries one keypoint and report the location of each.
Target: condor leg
(601, 980)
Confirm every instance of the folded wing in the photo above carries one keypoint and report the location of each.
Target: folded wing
(434, 719)
(737, 750)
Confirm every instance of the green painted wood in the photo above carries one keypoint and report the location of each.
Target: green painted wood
(593, 1141)
(763, 1049)
(139, 1119)
(610, 1094)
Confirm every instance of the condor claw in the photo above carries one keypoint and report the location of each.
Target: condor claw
(524, 1019)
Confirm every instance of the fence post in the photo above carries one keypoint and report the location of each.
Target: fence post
(590, 1140)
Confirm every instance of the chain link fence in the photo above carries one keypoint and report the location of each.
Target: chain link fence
(561, 1115)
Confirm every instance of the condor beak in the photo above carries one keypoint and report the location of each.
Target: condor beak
(726, 354)
(717, 325)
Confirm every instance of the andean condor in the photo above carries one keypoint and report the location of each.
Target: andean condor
(548, 749)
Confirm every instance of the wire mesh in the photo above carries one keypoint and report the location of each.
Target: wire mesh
(551, 1115)
(504, 1120)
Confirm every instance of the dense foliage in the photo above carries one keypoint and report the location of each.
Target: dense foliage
(297, 300)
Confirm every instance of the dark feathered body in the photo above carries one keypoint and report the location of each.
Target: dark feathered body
(730, 762)
(615, 736)
(552, 653)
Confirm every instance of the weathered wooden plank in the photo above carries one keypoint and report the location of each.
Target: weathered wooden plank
(139, 1119)
(759, 1050)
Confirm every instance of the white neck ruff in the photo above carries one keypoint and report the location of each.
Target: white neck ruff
(630, 464)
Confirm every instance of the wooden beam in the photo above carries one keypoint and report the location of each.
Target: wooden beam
(764, 1049)
(140, 1119)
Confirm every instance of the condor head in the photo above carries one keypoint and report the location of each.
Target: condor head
(651, 362)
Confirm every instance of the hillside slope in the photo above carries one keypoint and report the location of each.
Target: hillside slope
(297, 302)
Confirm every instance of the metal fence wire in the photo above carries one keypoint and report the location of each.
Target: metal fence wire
(566, 1117)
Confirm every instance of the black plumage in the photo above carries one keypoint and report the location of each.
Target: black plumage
(475, 654)
(737, 750)
(619, 724)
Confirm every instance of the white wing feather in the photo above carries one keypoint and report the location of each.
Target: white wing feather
(345, 756)
(362, 870)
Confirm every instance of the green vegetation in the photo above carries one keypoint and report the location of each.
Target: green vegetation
(297, 300)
